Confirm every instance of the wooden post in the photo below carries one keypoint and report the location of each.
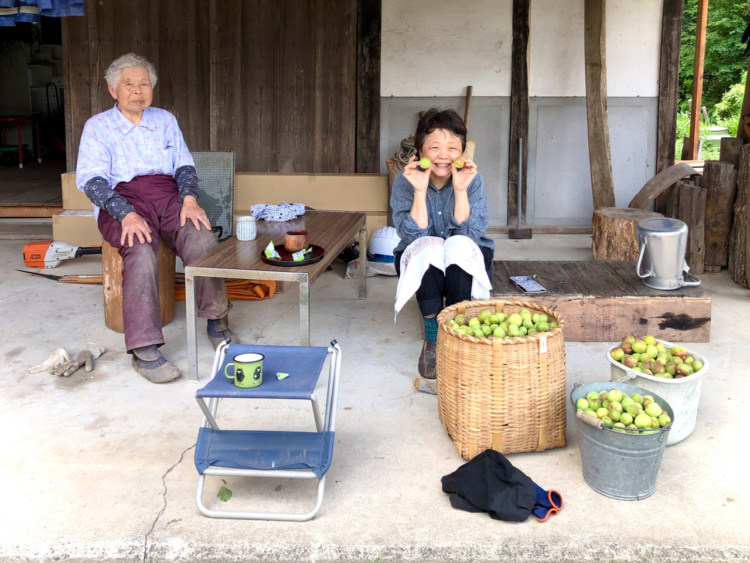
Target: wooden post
(669, 79)
(367, 136)
(720, 181)
(595, 55)
(700, 52)
(738, 236)
(519, 108)
(692, 211)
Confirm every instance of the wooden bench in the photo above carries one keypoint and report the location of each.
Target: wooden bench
(605, 301)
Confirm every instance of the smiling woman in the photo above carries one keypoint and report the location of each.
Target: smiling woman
(432, 197)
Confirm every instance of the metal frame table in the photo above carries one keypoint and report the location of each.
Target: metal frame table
(234, 259)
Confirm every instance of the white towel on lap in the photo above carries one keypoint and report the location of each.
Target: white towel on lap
(435, 251)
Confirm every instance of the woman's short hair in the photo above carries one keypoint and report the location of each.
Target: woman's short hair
(131, 60)
(437, 119)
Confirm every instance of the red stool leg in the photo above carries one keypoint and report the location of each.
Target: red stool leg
(20, 155)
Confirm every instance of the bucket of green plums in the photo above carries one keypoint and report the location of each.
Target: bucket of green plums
(671, 370)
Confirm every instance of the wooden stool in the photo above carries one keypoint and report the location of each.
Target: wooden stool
(112, 284)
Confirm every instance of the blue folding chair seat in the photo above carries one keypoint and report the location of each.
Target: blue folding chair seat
(264, 453)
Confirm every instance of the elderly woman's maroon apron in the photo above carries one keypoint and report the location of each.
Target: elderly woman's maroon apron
(155, 199)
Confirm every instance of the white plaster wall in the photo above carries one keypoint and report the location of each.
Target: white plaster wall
(438, 47)
(556, 59)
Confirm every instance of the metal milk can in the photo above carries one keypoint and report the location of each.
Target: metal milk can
(661, 262)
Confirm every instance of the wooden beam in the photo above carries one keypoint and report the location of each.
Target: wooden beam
(519, 109)
(29, 211)
(367, 135)
(700, 53)
(669, 79)
(602, 183)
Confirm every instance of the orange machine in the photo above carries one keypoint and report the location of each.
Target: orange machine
(49, 254)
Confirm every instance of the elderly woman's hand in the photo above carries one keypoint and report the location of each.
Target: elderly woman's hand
(418, 178)
(191, 210)
(133, 225)
(462, 178)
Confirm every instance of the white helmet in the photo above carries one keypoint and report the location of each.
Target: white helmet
(382, 244)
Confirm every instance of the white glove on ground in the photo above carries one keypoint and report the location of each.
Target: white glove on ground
(84, 358)
(57, 357)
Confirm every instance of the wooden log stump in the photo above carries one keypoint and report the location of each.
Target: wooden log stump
(738, 235)
(112, 285)
(720, 179)
(613, 232)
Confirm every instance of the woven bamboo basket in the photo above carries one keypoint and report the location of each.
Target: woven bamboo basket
(502, 394)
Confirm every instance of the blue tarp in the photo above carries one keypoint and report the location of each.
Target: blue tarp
(14, 11)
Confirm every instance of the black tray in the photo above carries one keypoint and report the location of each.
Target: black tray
(315, 255)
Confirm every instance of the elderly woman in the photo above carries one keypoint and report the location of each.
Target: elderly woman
(135, 168)
(440, 201)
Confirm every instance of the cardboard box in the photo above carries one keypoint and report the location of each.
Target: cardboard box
(331, 192)
(76, 227)
(334, 192)
(72, 197)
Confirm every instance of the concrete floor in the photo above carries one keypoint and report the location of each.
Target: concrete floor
(99, 466)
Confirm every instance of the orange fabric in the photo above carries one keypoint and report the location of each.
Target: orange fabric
(237, 290)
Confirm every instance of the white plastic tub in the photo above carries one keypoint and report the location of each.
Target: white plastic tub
(682, 394)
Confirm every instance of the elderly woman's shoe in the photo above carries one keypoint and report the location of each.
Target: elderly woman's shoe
(218, 330)
(149, 363)
(427, 360)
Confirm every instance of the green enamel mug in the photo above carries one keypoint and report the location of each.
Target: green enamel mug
(248, 370)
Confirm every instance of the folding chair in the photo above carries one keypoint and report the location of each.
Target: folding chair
(263, 453)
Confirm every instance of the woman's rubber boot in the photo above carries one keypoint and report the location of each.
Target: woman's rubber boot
(428, 360)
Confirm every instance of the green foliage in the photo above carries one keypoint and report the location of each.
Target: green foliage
(724, 60)
(730, 105)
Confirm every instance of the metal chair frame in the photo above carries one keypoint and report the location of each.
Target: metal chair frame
(328, 424)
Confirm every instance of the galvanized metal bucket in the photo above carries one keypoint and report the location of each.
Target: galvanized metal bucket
(619, 465)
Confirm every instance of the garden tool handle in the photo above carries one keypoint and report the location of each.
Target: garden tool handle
(589, 419)
(86, 278)
(638, 266)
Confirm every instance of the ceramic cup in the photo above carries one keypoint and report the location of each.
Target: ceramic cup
(246, 228)
(294, 241)
(248, 370)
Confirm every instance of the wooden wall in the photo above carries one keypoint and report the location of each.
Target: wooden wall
(277, 81)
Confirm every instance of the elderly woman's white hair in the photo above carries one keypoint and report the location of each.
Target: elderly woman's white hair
(131, 60)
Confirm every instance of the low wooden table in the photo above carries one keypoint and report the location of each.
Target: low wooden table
(604, 301)
(234, 259)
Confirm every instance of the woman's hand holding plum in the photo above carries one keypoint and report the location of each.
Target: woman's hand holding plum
(418, 178)
(463, 177)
